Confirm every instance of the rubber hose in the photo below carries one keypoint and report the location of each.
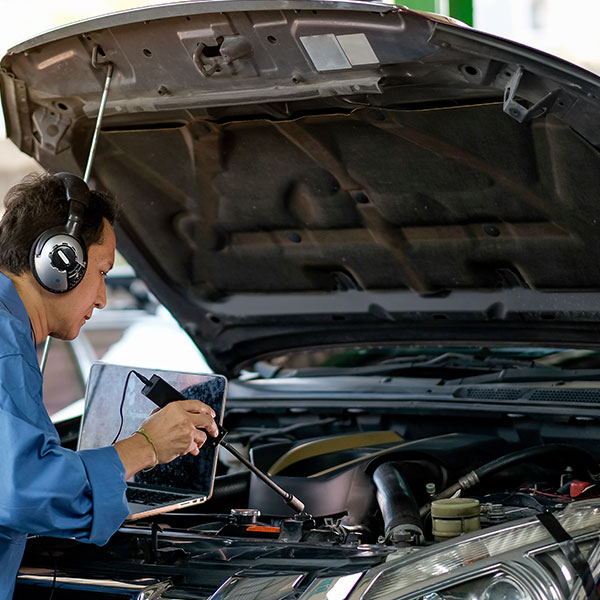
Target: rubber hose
(577, 454)
(396, 502)
(508, 460)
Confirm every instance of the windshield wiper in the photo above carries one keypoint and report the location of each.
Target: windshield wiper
(490, 366)
(536, 373)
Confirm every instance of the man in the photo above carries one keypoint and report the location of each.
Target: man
(46, 489)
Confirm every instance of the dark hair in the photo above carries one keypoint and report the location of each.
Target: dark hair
(39, 203)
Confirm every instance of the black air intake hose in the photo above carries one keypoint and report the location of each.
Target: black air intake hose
(229, 491)
(398, 507)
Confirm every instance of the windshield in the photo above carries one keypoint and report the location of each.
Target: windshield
(447, 363)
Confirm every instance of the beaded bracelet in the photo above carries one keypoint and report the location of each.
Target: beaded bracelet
(142, 432)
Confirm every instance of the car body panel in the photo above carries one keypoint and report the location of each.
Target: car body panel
(377, 158)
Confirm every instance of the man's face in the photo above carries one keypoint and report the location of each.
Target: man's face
(71, 310)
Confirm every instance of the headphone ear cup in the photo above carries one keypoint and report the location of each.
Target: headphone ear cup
(58, 260)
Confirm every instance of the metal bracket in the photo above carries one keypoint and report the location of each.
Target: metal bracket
(227, 51)
(50, 125)
(520, 112)
(99, 59)
(14, 97)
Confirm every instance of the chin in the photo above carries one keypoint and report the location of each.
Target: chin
(66, 336)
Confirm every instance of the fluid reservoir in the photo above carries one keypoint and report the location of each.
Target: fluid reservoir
(452, 516)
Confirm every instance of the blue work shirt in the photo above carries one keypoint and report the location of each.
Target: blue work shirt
(44, 489)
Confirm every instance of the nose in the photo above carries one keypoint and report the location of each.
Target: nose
(101, 297)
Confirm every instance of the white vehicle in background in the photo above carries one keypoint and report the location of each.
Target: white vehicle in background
(147, 336)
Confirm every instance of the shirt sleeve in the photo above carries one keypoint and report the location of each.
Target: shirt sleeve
(47, 489)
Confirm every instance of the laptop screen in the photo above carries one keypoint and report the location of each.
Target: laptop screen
(102, 419)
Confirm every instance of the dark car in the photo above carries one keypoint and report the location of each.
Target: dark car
(383, 228)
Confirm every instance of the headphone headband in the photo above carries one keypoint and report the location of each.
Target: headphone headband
(77, 194)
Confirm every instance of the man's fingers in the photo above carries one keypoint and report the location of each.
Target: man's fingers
(204, 422)
(181, 428)
(196, 406)
(197, 442)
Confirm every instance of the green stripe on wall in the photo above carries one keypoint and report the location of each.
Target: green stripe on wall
(459, 9)
(462, 10)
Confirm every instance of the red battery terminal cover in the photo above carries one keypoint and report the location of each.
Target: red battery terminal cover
(578, 487)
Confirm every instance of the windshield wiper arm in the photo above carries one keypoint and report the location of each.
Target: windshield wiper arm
(448, 360)
(530, 374)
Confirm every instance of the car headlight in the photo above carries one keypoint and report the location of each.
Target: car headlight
(504, 589)
(495, 587)
(500, 563)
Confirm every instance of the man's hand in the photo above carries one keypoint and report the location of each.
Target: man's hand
(179, 428)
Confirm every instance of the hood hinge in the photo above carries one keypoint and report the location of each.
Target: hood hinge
(522, 113)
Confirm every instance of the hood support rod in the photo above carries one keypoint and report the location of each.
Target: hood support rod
(102, 107)
(109, 73)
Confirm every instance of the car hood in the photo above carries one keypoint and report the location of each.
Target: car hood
(293, 173)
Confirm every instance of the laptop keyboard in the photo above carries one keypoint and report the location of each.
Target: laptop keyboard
(153, 497)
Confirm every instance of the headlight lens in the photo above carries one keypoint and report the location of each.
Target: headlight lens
(562, 570)
(504, 589)
(499, 586)
(430, 568)
(496, 587)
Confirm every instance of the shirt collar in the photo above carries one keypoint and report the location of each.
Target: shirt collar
(11, 301)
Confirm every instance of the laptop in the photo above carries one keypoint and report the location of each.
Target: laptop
(184, 482)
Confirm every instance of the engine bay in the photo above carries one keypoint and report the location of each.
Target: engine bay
(368, 483)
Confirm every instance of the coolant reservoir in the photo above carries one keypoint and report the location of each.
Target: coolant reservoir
(452, 516)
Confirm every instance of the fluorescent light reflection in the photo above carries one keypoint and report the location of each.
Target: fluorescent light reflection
(343, 586)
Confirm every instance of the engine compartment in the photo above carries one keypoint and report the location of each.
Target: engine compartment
(367, 490)
(363, 501)
(430, 449)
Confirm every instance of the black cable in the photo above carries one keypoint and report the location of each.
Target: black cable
(289, 429)
(54, 567)
(122, 404)
(143, 379)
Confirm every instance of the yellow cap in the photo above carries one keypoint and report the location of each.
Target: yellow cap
(452, 516)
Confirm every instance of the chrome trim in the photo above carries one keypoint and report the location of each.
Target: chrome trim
(257, 588)
(326, 588)
(140, 589)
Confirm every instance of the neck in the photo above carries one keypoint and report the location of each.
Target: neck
(31, 295)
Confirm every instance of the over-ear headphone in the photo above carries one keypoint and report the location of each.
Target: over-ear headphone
(58, 257)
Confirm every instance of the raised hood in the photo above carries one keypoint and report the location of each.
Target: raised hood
(295, 173)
